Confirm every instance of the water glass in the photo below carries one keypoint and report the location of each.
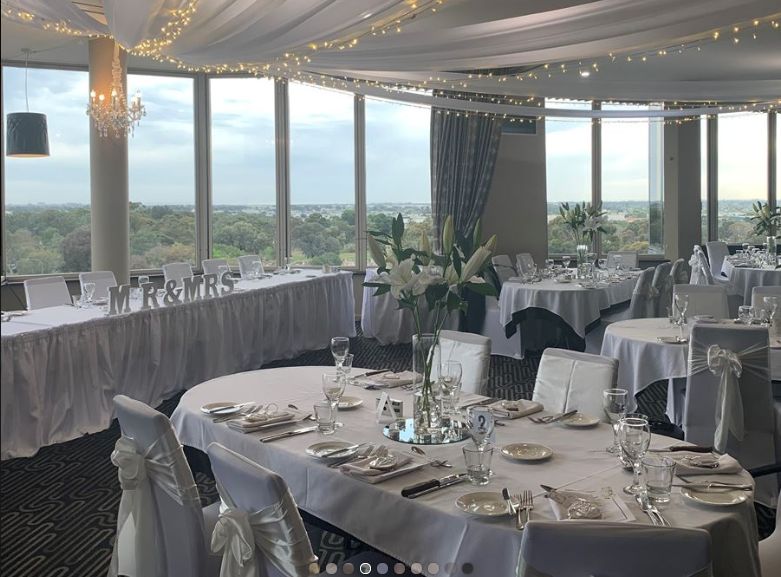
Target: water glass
(744, 314)
(658, 473)
(89, 292)
(346, 367)
(634, 434)
(772, 308)
(478, 464)
(450, 385)
(340, 346)
(257, 269)
(333, 387)
(325, 415)
(614, 404)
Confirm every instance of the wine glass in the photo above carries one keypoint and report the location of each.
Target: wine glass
(565, 260)
(771, 309)
(222, 270)
(257, 269)
(333, 388)
(340, 346)
(614, 404)
(480, 420)
(89, 292)
(634, 434)
(681, 302)
(450, 385)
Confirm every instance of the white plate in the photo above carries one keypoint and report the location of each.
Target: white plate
(221, 407)
(526, 452)
(716, 498)
(318, 449)
(349, 402)
(482, 504)
(579, 420)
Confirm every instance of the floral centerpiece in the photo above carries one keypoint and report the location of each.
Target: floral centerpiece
(441, 278)
(767, 221)
(584, 221)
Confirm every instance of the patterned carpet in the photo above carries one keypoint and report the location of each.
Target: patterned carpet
(58, 508)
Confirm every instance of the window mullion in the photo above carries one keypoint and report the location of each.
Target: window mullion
(282, 144)
(203, 181)
(772, 151)
(596, 167)
(360, 182)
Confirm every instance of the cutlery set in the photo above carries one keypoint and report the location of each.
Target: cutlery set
(552, 418)
(426, 487)
(650, 510)
(522, 510)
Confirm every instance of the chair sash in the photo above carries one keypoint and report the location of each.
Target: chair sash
(278, 534)
(728, 366)
(137, 472)
(696, 266)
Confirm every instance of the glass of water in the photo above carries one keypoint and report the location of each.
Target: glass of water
(658, 473)
(257, 269)
(325, 417)
(478, 464)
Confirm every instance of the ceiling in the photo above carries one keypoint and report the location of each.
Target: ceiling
(450, 47)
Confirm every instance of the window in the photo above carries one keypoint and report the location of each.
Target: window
(47, 200)
(632, 182)
(568, 169)
(162, 173)
(704, 177)
(398, 175)
(743, 173)
(322, 176)
(244, 196)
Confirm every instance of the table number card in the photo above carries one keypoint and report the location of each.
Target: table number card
(389, 410)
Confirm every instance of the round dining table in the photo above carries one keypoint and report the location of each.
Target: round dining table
(431, 529)
(742, 279)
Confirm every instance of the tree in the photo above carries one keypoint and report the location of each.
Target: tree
(76, 250)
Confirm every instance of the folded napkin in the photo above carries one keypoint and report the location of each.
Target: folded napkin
(258, 421)
(389, 380)
(582, 505)
(361, 470)
(686, 464)
(515, 409)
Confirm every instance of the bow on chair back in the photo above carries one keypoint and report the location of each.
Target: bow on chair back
(259, 525)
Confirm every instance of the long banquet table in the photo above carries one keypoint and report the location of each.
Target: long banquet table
(430, 529)
(62, 366)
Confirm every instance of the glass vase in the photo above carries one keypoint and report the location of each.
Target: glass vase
(772, 243)
(426, 404)
(582, 251)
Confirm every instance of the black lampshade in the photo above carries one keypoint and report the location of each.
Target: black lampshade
(27, 135)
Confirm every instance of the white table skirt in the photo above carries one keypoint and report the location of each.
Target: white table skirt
(743, 279)
(431, 529)
(381, 318)
(576, 306)
(58, 381)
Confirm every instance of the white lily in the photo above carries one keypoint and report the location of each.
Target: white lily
(475, 263)
(377, 252)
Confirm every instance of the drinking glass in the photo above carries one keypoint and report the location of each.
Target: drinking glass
(744, 314)
(333, 387)
(257, 269)
(658, 473)
(478, 464)
(142, 280)
(549, 264)
(634, 434)
(222, 270)
(565, 260)
(771, 309)
(325, 415)
(450, 385)
(619, 262)
(340, 346)
(480, 421)
(89, 292)
(346, 367)
(614, 404)
(681, 302)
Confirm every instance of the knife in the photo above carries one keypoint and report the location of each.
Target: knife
(563, 416)
(477, 403)
(714, 486)
(372, 373)
(292, 433)
(338, 452)
(226, 409)
(426, 487)
(690, 448)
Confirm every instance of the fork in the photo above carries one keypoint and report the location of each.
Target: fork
(525, 505)
(237, 415)
(552, 418)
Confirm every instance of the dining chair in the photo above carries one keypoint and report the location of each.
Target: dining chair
(49, 291)
(177, 271)
(504, 267)
(473, 351)
(492, 328)
(729, 399)
(705, 271)
(717, 252)
(770, 548)
(569, 380)
(679, 273)
(167, 532)
(704, 300)
(613, 550)
(103, 279)
(629, 258)
(212, 265)
(663, 288)
(246, 265)
(643, 302)
(524, 262)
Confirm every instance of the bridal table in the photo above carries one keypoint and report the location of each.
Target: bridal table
(61, 366)
(430, 529)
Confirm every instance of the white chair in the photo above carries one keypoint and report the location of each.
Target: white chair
(770, 549)
(629, 258)
(729, 399)
(582, 548)
(161, 528)
(758, 294)
(524, 262)
(246, 265)
(704, 300)
(504, 267)
(177, 271)
(50, 291)
(473, 352)
(643, 303)
(707, 275)
(663, 287)
(568, 380)
(103, 279)
(679, 273)
(697, 276)
(212, 265)
(717, 252)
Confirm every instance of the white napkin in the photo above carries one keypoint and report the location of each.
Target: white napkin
(389, 380)
(515, 409)
(727, 465)
(257, 421)
(610, 507)
(360, 469)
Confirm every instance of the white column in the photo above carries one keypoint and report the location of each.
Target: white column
(682, 205)
(108, 174)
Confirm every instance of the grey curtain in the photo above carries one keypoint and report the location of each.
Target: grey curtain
(463, 155)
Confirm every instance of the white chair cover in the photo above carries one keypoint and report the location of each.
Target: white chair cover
(212, 265)
(729, 399)
(643, 303)
(770, 549)
(629, 258)
(49, 291)
(663, 285)
(524, 262)
(103, 279)
(504, 267)
(679, 273)
(717, 252)
(260, 531)
(568, 380)
(707, 275)
(494, 329)
(245, 264)
(177, 271)
(601, 549)
(697, 276)
(160, 527)
(473, 352)
(704, 300)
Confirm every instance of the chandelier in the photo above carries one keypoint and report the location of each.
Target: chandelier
(114, 115)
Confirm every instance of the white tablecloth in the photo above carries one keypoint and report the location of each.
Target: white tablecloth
(381, 318)
(431, 529)
(62, 366)
(743, 279)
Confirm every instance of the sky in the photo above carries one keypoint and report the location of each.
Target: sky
(162, 157)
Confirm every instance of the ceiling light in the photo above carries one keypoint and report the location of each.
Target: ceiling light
(26, 133)
(584, 73)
